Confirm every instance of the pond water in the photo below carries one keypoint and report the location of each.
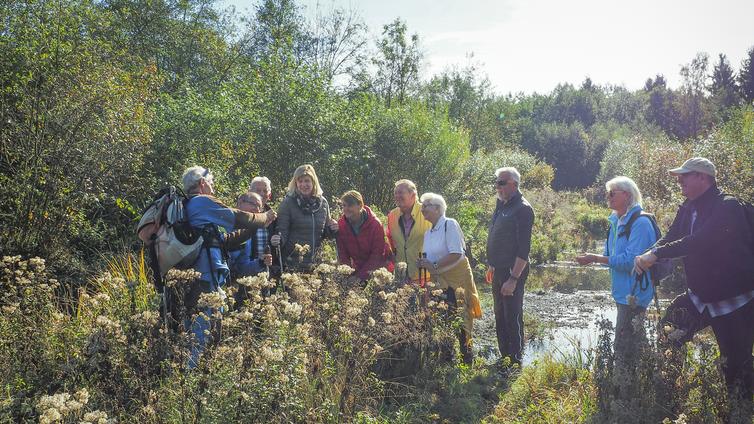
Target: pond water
(570, 304)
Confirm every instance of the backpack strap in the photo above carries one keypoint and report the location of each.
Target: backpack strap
(627, 228)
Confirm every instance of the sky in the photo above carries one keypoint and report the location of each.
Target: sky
(526, 46)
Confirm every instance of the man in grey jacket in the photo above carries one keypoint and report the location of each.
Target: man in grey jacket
(508, 245)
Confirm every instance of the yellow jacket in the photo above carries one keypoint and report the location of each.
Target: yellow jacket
(407, 250)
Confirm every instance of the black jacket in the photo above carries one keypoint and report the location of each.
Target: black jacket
(718, 255)
(509, 234)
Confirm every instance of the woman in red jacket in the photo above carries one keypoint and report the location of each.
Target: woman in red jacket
(361, 237)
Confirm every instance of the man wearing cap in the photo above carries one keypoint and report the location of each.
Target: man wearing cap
(710, 232)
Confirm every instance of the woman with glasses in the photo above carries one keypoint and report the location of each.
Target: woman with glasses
(629, 236)
(447, 263)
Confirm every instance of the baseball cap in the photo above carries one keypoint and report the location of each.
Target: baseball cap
(702, 165)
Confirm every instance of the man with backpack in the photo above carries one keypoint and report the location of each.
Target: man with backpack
(713, 235)
(207, 215)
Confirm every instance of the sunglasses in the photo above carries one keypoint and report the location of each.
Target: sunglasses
(501, 183)
(612, 193)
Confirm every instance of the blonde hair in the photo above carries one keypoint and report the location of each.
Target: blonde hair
(408, 184)
(305, 171)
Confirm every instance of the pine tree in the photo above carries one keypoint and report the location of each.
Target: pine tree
(746, 78)
(723, 87)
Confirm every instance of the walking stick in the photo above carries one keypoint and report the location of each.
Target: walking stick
(423, 281)
(280, 260)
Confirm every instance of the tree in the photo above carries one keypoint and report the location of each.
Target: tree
(660, 108)
(73, 132)
(186, 40)
(691, 105)
(339, 44)
(723, 87)
(467, 98)
(278, 29)
(398, 60)
(746, 78)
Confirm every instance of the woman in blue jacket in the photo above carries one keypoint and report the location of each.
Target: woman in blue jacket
(621, 247)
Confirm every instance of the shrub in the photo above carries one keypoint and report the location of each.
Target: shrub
(321, 351)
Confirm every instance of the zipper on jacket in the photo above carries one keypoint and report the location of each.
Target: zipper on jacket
(314, 233)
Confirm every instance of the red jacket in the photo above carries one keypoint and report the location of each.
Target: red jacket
(365, 252)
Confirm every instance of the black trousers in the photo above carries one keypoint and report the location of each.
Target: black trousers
(509, 315)
(735, 338)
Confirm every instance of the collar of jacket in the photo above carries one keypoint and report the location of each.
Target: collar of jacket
(623, 220)
(512, 201)
(369, 220)
(416, 211)
(705, 200)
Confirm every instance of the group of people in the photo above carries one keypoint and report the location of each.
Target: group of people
(715, 239)
(710, 232)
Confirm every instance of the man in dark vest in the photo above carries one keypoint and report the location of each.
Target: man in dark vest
(508, 245)
(711, 233)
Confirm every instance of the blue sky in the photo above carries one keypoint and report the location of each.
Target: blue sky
(527, 46)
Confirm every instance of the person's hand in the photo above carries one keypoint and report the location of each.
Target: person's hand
(585, 259)
(267, 259)
(333, 224)
(271, 216)
(275, 240)
(489, 275)
(508, 287)
(644, 262)
(423, 263)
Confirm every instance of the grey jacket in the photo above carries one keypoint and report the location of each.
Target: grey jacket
(298, 224)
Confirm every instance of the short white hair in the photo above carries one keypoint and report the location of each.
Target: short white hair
(629, 186)
(193, 176)
(513, 172)
(264, 180)
(434, 199)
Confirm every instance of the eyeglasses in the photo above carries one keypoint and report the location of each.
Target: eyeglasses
(501, 183)
(426, 205)
(611, 193)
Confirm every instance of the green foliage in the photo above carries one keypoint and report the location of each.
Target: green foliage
(75, 126)
(731, 149)
(548, 391)
(746, 77)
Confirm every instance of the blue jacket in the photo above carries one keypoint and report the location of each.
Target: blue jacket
(621, 253)
(204, 211)
(242, 263)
